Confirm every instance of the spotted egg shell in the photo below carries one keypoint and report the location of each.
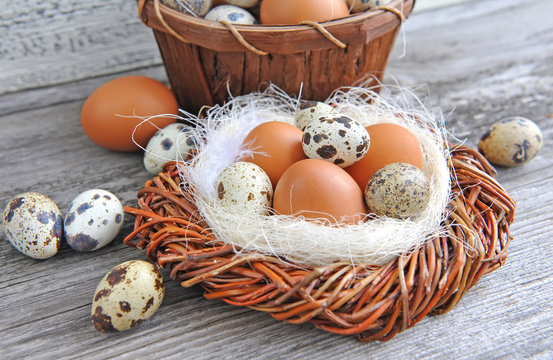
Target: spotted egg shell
(33, 225)
(232, 14)
(338, 139)
(245, 186)
(93, 220)
(169, 143)
(197, 7)
(397, 190)
(311, 110)
(362, 5)
(129, 294)
(511, 142)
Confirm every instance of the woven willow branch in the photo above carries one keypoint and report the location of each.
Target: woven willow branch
(372, 302)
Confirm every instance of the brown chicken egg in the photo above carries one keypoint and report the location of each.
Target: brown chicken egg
(116, 109)
(276, 145)
(289, 12)
(390, 143)
(317, 189)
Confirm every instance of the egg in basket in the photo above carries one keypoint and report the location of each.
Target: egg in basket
(355, 214)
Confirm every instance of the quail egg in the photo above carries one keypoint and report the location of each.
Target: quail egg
(196, 7)
(169, 143)
(397, 190)
(311, 110)
(232, 14)
(33, 225)
(511, 142)
(362, 5)
(246, 186)
(93, 220)
(338, 139)
(129, 294)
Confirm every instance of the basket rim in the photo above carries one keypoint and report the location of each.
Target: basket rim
(355, 29)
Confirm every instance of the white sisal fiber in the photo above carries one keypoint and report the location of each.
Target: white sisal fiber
(375, 241)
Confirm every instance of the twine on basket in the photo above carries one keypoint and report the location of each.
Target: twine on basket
(240, 38)
(392, 10)
(325, 33)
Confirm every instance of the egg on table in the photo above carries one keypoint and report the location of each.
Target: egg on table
(33, 225)
(318, 189)
(232, 14)
(312, 110)
(195, 7)
(129, 294)
(114, 115)
(390, 143)
(338, 139)
(170, 143)
(274, 147)
(93, 220)
(397, 190)
(511, 142)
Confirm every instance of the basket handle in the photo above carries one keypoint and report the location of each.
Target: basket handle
(317, 26)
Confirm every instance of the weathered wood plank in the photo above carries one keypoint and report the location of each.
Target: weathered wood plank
(485, 60)
(52, 42)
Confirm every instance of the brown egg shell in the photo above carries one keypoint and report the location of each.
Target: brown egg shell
(319, 190)
(275, 146)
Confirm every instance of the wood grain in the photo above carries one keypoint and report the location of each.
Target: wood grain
(484, 60)
(52, 42)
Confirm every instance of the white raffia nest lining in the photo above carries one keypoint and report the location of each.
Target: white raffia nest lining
(375, 241)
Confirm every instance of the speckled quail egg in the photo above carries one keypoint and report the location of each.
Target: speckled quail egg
(311, 110)
(129, 294)
(33, 225)
(511, 142)
(245, 186)
(196, 7)
(338, 139)
(397, 190)
(169, 143)
(232, 14)
(93, 220)
(362, 5)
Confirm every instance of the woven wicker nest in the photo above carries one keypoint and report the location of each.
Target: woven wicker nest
(372, 302)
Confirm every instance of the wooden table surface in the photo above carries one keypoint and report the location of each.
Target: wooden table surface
(478, 62)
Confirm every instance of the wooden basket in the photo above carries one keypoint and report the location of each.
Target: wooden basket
(372, 302)
(205, 60)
